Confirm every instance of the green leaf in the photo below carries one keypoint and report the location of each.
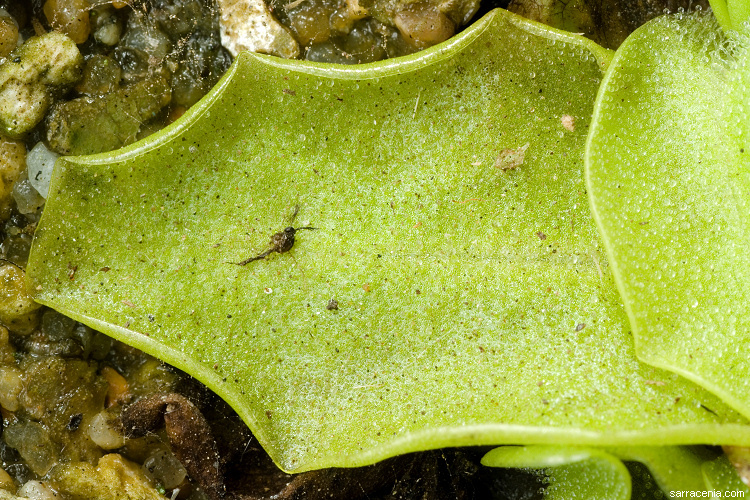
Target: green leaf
(674, 468)
(719, 475)
(577, 472)
(731, 14)
(475, 305)
(668, 178)
(721, 12)
(570, 473)
(739, 13)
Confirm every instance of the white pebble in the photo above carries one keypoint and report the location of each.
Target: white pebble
(249, 25)
(40, 162)
(165, 469)
(103, 433)
(36, 490)
(27, 198)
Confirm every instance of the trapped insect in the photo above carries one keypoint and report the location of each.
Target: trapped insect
(281, 242)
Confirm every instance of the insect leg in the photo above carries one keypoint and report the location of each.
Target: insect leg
(252, 259)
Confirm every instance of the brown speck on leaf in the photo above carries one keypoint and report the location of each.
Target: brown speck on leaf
(269, 414)
(72, 271)
(568, 122)
(128, 303)
(104, 269)
(289, 92)
(541, 235)
(333, 305)
(580, 326)
(509, 159)
(366, 287)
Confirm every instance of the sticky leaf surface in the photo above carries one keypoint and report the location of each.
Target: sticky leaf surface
(721, 476)
(668, 178)
(474, 303)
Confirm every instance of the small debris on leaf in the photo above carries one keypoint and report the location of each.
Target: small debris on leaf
(655, 382)
(568, 122)
(509, 159)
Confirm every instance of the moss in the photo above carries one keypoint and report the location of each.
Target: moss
(15, 303)
(64, 395)
(96, 124)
